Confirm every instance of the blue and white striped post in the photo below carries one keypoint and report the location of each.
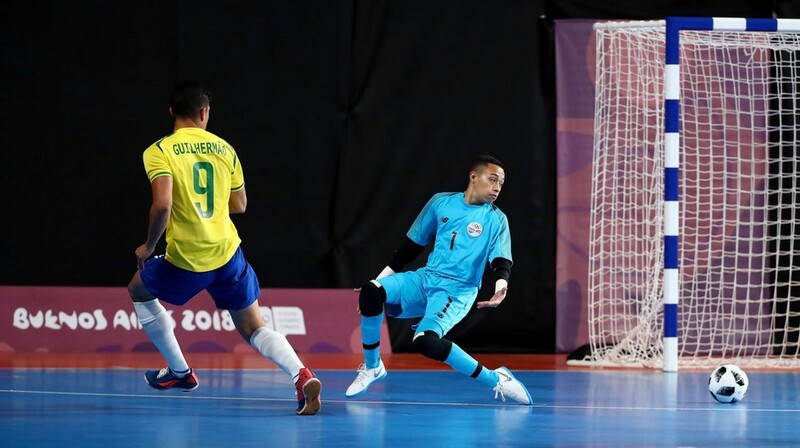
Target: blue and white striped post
(672, 155)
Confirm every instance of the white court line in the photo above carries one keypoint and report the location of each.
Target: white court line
(183, 396)
(190, 396)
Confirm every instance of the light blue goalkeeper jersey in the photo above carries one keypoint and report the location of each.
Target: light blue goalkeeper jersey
(467, 237)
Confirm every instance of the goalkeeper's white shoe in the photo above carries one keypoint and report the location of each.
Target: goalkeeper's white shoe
(510, 387)
(364, 378)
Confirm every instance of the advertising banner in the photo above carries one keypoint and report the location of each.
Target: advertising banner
(102, 319)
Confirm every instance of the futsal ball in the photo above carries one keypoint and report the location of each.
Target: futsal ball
(728, 383)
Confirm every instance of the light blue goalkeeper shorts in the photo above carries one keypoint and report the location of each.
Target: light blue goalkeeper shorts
(440, 301)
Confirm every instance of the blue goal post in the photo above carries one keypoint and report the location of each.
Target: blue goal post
(672, 142)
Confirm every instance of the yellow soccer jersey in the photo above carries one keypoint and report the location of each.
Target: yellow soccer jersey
(204, 170)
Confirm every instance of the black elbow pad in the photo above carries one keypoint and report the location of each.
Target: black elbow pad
(406, 253)
(501, 268)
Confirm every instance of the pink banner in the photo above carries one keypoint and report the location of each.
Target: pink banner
(95, 319)
(575, 73)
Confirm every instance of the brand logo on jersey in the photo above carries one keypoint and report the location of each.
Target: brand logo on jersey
(474, 229)
(445, 219)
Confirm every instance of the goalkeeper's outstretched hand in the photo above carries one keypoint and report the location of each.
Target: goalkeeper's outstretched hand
(496, 299)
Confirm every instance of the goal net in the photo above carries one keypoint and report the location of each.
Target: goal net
(738, 250)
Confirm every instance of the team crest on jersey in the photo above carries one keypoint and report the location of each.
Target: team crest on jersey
(474, 229)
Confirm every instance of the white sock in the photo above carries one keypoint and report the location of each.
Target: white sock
(158, 326)
(277, 349)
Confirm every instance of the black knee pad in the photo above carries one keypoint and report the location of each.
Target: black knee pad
(432, 346)
(371, 300)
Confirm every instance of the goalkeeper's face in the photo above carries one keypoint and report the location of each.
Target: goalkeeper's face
(485, 184)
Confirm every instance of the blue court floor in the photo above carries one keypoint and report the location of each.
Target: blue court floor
(254, 408)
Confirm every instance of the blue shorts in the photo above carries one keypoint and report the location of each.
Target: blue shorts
(442, 302)
(233, 286)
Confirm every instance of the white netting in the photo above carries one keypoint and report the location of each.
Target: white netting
(739, 249)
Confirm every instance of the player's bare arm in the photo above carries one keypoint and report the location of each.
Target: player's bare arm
(159, 216)
(237, 202)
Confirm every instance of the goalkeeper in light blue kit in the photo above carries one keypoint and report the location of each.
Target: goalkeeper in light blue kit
(468, 232)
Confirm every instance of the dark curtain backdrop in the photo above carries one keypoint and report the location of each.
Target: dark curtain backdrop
(658, 9)
(347, 115)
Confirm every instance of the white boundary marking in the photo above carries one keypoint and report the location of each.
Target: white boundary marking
(190, 396)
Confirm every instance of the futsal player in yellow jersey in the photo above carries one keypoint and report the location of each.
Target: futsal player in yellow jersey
(197, 183)
(205, 172)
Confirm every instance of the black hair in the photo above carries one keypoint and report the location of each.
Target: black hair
(484, 160)
(188, 98)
